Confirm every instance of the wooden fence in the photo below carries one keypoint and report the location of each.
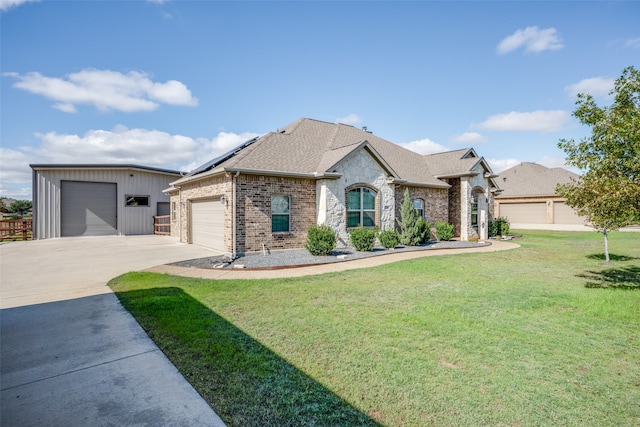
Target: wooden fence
(162, 224)
(16, 229)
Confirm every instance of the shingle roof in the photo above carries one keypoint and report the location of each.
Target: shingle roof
(314, 148)
(532, 179)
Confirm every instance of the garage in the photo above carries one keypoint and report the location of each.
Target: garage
(524, 213)
(88, 208)
(207, 223)
(563, 214)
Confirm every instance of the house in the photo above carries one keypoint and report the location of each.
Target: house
(529, 197)
(268, 192)
(98, 200)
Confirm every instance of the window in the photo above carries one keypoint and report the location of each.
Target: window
(280, 214)
(361, 207)
(133, 200)
(174, 211)
(418, 205)
(474, 211)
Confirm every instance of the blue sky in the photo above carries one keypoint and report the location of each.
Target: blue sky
(174, 83)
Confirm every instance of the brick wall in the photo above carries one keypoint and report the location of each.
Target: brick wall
(455, 210)
(436, 202)
(253, 212)
(206, 188)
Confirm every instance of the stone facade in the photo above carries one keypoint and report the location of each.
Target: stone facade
(358, 170)
(455, 215)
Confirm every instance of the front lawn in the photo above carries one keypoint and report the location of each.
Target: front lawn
(541, 335)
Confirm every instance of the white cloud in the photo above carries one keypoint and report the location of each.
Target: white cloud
(468, 138)
(117, 146)
(351, 119)
(424, 146)
(595, 86)
(106, 90)
(8, 4)
(551, 162)
(633, 43)
(499, 165)
(542, 121)
(533, 39)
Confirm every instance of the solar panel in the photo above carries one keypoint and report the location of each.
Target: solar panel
(223, 158)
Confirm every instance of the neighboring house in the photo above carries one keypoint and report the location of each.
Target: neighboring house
(529, 196)
(98, 200)
(268, 192)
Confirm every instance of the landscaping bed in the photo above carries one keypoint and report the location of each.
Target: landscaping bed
(300, 257)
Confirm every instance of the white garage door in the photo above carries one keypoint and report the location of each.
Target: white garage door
(524, 213)
(207, 223)
(88, 208)
(563, 214)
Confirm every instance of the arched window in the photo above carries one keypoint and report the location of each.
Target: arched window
(418, 205)
(361, 207)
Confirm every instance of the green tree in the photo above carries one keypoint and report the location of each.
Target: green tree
(20, 206)
(413, 229)
(608, 192)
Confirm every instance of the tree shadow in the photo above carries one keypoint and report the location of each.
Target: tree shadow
(627, 278)
(245, 382)
(612, 257)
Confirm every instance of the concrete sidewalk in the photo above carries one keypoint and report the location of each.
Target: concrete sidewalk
(71, 355)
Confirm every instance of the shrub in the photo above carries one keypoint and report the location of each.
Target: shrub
(414, 230)
(362, 238)
(321, 240)
(389, 238)
(444, 231)
(499, 227)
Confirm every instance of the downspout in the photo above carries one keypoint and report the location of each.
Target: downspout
(180, 214)
(233, 218)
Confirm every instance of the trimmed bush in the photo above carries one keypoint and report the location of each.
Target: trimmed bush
(444, 231)
(389, 238)
(362, 238)
(321, 240)
(499, 227)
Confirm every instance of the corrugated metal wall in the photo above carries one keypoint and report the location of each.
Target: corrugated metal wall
(131, 220)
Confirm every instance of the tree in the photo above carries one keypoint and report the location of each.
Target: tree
(20, 206)
(414, 230)
(608, 192)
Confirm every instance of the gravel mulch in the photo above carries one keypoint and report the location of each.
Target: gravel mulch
(300, 257)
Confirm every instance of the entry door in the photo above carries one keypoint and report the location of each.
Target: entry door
(88, 208)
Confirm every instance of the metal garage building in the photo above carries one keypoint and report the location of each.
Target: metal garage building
(98, 200)
(528, 196)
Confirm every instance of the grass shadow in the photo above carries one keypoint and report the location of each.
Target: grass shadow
(614, 278)
(245, 382)
(612, 257)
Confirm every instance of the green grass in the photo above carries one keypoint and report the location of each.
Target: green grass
(541, 335)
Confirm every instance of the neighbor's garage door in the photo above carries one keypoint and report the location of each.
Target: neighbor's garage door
(207, 223)
(88, 208)
(563, 214)
(524, 213)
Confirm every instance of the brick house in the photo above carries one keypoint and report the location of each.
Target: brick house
(267, 192)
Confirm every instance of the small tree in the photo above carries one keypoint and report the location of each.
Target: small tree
(608, 192)
(413, 229)
(20, 206)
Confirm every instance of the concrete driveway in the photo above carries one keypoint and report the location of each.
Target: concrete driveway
(70, 354)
